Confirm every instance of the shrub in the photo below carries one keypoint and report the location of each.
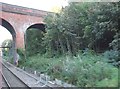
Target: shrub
(7, 52)
(113, 56)
(21, 53)
(111, 82)
(87, 70)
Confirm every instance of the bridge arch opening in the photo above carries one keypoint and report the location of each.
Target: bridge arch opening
(38, 26)
(4, 23)
(33, 38)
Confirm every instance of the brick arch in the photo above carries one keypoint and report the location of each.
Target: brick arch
(10, 28)
(20, 24)
(21, 18)
(32, 23)
(40, 26)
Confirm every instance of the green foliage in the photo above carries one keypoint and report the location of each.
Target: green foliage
(81, 25)
(111, 81)
(116, 41)
(7, 52)
(103, 20)
(85, 70)
(77, 27)
(7, 43)
(21, 53)
(113, 56)
(33, 42)
(63, 52)
(37, 62)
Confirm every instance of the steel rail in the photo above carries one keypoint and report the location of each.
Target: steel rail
(29, 75)
(15, 76)
(7, 83)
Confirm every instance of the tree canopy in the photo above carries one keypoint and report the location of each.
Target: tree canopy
(84, 25)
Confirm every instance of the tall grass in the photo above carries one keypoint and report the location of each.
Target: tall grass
(84, 70)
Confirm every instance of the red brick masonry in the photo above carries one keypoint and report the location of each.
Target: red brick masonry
(20, 18)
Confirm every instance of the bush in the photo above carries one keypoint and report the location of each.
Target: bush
(111, 82)
(84, 70)
(21, 53)
(7, 52)
(113, 56)
(34, 42)
(22, 56)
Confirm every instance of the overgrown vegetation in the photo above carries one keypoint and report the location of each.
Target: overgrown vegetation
(8, 51)
(34, 38)
(84, 70)
(80, 46)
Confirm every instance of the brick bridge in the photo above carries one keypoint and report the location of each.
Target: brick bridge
(17, 20)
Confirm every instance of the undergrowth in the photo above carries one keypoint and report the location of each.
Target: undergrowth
(84, 70)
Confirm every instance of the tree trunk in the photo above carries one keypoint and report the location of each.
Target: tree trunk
(68, 47)
(61, 44)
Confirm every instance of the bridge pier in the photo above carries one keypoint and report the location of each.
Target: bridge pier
(17, 20)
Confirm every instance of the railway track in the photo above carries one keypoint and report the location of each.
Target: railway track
(42, 82)
(10, 80)
(16, 77)
(15, 81)
(5, 82)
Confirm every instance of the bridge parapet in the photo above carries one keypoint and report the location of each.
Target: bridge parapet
(22, 10)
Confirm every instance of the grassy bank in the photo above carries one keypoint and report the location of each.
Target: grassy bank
(84, 70)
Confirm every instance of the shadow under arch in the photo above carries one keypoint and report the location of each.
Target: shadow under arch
(39, 26)
(10, 28)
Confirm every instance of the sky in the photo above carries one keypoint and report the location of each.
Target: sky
(4, 34)
(46, 5)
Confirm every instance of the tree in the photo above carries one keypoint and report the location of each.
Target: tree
(104, 24)
(7, 51)
(34, 41)
(83, 25)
